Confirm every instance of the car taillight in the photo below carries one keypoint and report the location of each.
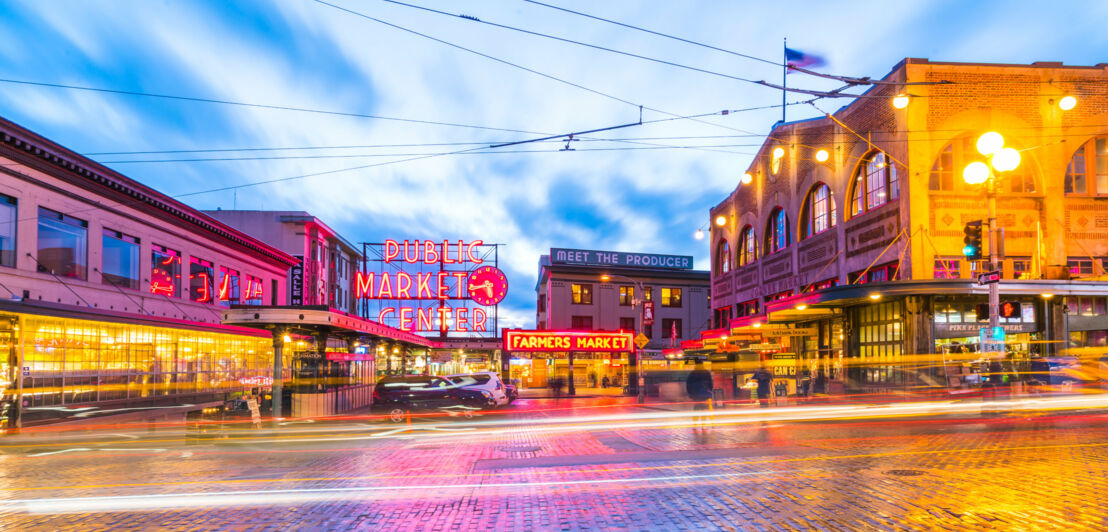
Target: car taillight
(376, 394)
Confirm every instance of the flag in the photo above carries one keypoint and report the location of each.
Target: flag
(673, 334)
(795, 58)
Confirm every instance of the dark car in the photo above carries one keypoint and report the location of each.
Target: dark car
(512, 392)
(397, 395)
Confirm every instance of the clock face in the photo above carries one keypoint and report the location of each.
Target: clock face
(487, 285)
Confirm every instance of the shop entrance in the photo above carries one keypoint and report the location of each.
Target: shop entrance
(568, 359)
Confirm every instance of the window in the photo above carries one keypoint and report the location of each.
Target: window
(255, 291)
(748, 246)
(777, 231)
(648, 293)
(747, 308)
(627, 324)
(581, 323)
(721, 317)
(648, 330)
(120, 265)
(723, 257)
(228, 286)
(1086, 306)
(876, 274)
(1021, 268)
(671, 328)
(201, 281)
(671, 297)
(626, 295)
(947, 268)
(582, 294)
(874, 185)
(823, 285)
(1087, 172)
(62, 244)
(165, 271)
(542, 302)
(8, 214)
(1084, 267)
(819, 210)
(946, 172)
(880, 340)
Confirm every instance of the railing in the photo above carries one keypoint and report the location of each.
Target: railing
(332, 401)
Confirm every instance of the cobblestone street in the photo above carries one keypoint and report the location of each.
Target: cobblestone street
(518, 471)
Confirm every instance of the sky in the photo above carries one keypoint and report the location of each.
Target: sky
(402, 94)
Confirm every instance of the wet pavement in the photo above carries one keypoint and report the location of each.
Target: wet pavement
(573, 464)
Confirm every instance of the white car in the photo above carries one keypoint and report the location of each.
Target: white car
(487, 381)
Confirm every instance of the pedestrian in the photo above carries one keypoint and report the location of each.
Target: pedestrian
(699, 387)
(763, 377)
(605, 382)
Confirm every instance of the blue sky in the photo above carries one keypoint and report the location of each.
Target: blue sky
(620, 196)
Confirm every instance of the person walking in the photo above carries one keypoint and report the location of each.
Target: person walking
(698, 385)
(764, 378)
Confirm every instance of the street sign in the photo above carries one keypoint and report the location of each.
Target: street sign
(992, 339)
(648, 313)
(26, 371)
(641, 340)
(988, 278)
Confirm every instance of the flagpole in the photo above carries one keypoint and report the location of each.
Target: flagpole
(784, 73)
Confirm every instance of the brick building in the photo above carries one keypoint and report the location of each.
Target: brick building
(851, 226)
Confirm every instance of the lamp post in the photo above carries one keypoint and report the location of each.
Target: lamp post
(999, 159)
(635, 302)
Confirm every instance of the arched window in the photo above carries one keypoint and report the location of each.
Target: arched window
(777, 231)
(1087, 172)
(819, 212)
(946, 172)
(874, 185)
(748, 246)
(723, 257)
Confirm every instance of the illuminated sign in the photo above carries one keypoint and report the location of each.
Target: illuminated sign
(602, 342)
(348, 357)
(484, 285)
(619, 258)
(256, 381)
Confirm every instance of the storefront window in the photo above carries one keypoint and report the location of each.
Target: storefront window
(201, 281)
(62, 244)
(254, 291)
(881, 341)
(165, 271)
(120, 260)
(228, 286)
(8, 212)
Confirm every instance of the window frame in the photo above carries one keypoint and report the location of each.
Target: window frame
(626, 295)
(1094, 173)
(820, 213)
(668, 300)
(7, 257)
(80, 256)
(866, 195)
(154, 262)
(579, 292)
(132, 284)
(723, 256)
(748, 246)
(777, 232)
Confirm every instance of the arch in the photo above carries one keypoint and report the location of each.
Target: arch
(1087, 171)
(777, 232)
(723, 256)
(819, 212)
(946, 171)
(874, 183)
(748, 246)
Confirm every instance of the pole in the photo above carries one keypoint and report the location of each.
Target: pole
(571, 390)
(278, 346)
(994, 288)
(784, 74)
(638, 360)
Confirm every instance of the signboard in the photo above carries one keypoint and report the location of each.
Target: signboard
(764, 347)
(349, 357)
(992, 339)
(260, 380)
(962, 330)
(26, 371)
(414, 271)
(255, 413)
(618, 258)
(641, 340)
(648, 313)
(542, 341)
(296, 282)
(987, 278)
(779, 330)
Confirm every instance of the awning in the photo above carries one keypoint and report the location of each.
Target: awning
(320, 319)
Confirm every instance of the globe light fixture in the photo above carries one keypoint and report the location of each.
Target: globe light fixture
(1006, 160)
(1067, 103)
(778, 152)
(721, 220)
(822, 156)
(900, 101)
(746, 179)
(976, 173)
(699, 234)
(990, 143)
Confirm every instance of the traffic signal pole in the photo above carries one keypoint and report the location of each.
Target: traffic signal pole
(994, 255)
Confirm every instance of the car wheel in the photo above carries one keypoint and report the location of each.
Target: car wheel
(396, 415)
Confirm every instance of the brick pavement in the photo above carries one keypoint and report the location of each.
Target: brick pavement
(997, 473)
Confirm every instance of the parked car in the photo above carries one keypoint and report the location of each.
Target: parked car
(512, 392)
(486, 381)
(397, 395)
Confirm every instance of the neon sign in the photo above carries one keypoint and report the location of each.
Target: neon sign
(545, 341)
(484, 285)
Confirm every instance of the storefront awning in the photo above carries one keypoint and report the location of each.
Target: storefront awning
(320, 319)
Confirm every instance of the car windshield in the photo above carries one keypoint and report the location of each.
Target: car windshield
(412, 383)
(470, 380)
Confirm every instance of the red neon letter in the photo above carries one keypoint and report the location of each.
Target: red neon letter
(225, 288)
(406, 318)
(446, 254)
(423, 285)
(444, 314)
(363, 285)
(442, 291)
(463, 285)
(479, 318)
(415, 252)
(430, 251)
(425, 320)
(403, 285)
(392, 250)
(386, 287)
(469, 251)
(461, 321)
(385, 311)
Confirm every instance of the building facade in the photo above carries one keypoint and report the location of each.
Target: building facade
(328, 261)
(851, 226)
(112, 292)
(591, 290)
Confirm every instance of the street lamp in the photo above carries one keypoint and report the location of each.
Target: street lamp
(635, 302)
(999, 159)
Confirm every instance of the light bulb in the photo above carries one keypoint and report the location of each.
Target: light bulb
(746, 179)
(699, 234)
(990, 143)
(900, 101)
(778, 152)
(821, 156)
(721, 220)
(1067, 103)
(1006, 159)
(976, 173)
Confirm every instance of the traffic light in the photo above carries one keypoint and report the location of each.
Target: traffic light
(972, 250)
(1010, 309)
